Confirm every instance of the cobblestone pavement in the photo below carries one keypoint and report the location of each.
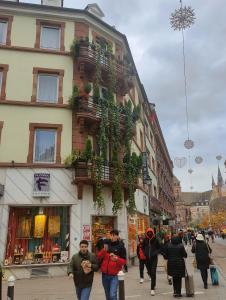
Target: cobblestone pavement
(61, 288)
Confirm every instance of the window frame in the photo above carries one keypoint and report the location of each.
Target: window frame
(31, 150)
(36, 72)
(4, 69)
(49, 23)
(9, 20)
(57, 88)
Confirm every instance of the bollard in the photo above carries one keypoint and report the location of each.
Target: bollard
(10, 292)
(121, 276)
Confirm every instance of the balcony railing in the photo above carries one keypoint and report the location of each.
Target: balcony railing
(89, 55)
(86, 172)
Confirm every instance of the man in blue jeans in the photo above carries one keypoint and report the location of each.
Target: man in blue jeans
(113, 258)
(81, 268)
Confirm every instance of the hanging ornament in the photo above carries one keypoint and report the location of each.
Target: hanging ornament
(188, 144)
(198, 159)
(218, 157)
(190, 171)
(182, 18)
(191, 187)
(180, 162)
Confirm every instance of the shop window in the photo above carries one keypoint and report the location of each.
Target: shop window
(5, 30)
(47, 88)
(37, 235)
(101, 227)
(50, 35)
(47, 85)
(45, 143)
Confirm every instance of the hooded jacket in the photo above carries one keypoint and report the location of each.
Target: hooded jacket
(108, 266)
(151, 245)
(175, 253)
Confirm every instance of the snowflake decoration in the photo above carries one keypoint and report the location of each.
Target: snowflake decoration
(198, 159)
(188, 144)
(182, 18)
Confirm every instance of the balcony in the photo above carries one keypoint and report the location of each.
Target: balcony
(89, 57)
(155, 205)
(89, 114)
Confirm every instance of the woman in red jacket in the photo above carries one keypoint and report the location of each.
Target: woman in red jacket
(141, 257)
(113, 258)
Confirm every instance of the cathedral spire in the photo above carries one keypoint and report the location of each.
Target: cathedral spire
(213, 182)
(220, 180)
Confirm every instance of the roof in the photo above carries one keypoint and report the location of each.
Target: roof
(191, 197)
(95, 9)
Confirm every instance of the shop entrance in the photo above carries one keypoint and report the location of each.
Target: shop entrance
(101, 227)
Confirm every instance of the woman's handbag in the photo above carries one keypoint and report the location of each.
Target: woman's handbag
(194, 263)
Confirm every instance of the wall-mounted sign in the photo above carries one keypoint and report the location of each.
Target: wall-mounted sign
(41, 185)
(2, 188)
(86, 232)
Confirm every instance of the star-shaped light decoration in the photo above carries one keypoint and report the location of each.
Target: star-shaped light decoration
(182, 18)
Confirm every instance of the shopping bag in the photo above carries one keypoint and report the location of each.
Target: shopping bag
(189, 284)
(214, 275)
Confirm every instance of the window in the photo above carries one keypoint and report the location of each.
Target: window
(3, 73)
(3, 31)
(47, 85)
(44, 143)
(50, 35)
(47, 88)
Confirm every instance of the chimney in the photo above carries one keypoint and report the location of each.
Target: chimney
(58, 3)
(95, 10)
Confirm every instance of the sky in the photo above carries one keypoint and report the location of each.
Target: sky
(157, 52)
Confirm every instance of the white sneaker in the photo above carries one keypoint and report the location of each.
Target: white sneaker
(152, 292)
(141, 280)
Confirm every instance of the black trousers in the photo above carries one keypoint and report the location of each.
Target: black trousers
(177, 282)
(142, 263)
(152, 266)
(204, 274)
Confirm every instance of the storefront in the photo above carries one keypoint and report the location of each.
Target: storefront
(37, 235)
(137, 224)
(101, 227)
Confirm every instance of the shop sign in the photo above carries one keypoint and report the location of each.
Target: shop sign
(146, 177)
(86, 232)
(41, 185)
(1, 190)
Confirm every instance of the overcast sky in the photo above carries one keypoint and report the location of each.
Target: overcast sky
(157, 51)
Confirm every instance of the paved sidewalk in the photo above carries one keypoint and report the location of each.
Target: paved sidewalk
(61, 288)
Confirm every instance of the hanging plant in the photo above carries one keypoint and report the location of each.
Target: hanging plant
(71, 160)
(73, 100)
(87, 154)
(98, 170)
(87, 88)
(75, 48)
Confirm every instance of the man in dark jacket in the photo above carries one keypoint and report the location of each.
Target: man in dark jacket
(112, 257)
(151, 248)
(175, 254)
(81, 268)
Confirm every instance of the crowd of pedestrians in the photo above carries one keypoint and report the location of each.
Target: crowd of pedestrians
(110, 258)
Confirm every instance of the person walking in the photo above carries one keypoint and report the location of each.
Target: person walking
(175, 254)
(81, 268)
(113, 258)
(202, 254)
(141, 257)
(151, 249)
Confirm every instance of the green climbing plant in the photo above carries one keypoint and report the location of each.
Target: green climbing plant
(73, 100)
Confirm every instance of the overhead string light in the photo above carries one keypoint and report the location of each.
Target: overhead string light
(181, 19)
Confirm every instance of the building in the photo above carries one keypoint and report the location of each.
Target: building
(57, 97)
(199, 210)
(163, 195)
(182, 209)
(218, 196)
